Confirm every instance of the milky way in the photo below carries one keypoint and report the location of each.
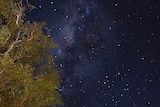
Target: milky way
(108, 54)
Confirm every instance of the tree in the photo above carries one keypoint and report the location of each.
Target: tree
(28, 77)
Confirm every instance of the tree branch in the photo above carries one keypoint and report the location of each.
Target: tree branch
(18, 10)
(24, 99)
(7, 39)
(31, 36)
(17, 40)
(13, 43)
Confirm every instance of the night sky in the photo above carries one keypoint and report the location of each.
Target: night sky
(109, 50)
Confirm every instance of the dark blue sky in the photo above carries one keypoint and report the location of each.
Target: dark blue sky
(109, 54)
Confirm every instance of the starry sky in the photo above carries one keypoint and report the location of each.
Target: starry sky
(109, 50)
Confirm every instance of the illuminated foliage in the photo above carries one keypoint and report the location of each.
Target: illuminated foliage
(27, 74)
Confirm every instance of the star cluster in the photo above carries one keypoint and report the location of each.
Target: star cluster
(109, 50)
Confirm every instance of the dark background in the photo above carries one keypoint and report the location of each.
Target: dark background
(109, 54)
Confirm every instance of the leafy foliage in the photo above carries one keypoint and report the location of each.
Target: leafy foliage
(27, 73)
